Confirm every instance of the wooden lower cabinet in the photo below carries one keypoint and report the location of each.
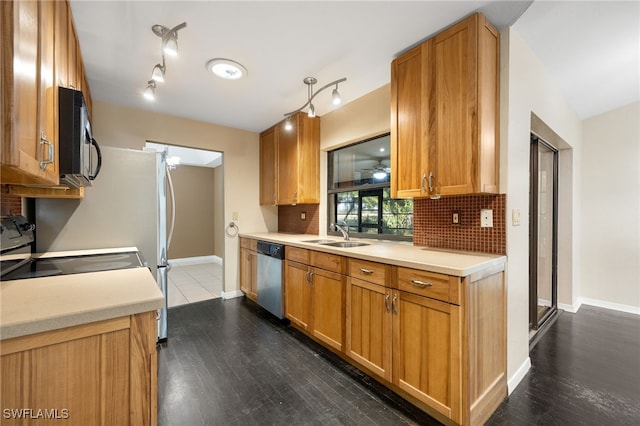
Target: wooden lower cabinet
(249, 268)
(426, 351)
(369, 326)
(447, 358)
(102, 373)
(315, 297)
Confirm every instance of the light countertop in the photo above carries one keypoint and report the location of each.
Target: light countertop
(454, 263)
(35, 305)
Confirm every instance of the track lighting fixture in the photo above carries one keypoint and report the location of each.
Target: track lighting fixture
(287, 124)
(169, 37)
(169, 47)
(158, 72)
(150, 90)
(310, 81)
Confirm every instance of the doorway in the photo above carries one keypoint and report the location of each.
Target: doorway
(195, 241)
(543, 253)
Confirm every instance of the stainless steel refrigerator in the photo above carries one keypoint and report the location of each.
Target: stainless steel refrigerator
(125, 206)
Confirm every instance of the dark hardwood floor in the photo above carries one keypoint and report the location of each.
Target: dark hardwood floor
(232, 363)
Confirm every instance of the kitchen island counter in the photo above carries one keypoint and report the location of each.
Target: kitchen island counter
(36, 305)
(454, 263)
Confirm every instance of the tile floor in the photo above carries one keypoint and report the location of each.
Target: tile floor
(196, 282)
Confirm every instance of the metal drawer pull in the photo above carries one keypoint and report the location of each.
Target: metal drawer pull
(393, 304)
(386, 303)
(422, 284)
(49, 160)
(366, 271)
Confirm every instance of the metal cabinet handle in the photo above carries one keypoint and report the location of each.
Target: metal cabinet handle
(386, 303)
(394, 307)
(366, 271)
(424, 179)
(310, 277)
(49, 160)
(421, 284)
(431, 177)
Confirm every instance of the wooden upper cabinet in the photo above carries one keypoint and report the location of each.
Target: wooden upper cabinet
(410, 120)
(290, 162)
(41, 54)
(453, 128)
(268, 171)
(29, 102)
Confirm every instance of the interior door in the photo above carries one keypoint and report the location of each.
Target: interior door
(543, 230)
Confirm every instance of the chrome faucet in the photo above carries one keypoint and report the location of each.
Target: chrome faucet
(343, 228)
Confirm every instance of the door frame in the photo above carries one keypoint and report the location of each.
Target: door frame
(534, 322)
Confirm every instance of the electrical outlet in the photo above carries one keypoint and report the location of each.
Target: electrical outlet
(455, 217)
(486, 218)
(515, 217)
(303, 215)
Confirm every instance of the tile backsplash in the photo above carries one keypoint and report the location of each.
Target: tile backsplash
(9, 204)
(289, 219)
(432, 223)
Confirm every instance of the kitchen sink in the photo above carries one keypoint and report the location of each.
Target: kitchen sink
(319, 241)
(345, 244)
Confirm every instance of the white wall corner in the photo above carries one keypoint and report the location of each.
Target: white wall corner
(231, 294)
(571, 308)
(519, 375)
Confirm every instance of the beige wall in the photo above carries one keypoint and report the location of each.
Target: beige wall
(610, 206)
(194, 233)
(121, 126)
(525, 88)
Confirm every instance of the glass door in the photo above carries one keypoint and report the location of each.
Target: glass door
(543, 231)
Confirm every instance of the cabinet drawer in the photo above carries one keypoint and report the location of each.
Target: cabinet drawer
(297, 254)
(328, 261)
(429, 284)
(372, 272)
(248, 243)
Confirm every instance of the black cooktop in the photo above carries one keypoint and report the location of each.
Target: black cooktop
(46, 267)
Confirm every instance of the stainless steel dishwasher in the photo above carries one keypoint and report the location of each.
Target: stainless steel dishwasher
(270, 276)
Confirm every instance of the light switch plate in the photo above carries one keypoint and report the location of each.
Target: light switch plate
(486, 218)
(515, 217)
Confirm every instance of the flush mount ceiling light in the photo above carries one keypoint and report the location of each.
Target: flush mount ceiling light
(310, 81)
(169, 37)
(226, 68)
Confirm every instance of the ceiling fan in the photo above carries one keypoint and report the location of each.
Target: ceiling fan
(379, 171)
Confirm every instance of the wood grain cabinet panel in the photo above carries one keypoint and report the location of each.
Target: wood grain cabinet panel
(444, 113)
(290, 162)
(249, 268)
(368, 326)
(102, 373)
(297, 294)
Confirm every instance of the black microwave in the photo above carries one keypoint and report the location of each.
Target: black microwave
(75, 140)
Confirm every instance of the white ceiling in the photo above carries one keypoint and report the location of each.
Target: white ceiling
(582, 44)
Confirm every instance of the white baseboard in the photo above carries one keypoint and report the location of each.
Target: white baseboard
(609, 305)
(231, 294)
(195, 260)
(517, 377)
(570, 308)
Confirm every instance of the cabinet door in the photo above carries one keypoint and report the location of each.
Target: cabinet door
(455, 54)
(327, 323)
(297, 294)
(287, 159)
(62, 44)
(308, 159)
(25, 83)
(368, 326)
(268, 170)
(410, 115)
(248, 273)
(427, 351)
(48, 92)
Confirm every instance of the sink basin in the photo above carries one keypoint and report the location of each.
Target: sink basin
(319, 241)
(345, 244)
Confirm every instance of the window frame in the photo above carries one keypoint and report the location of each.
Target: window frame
(366, 188)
